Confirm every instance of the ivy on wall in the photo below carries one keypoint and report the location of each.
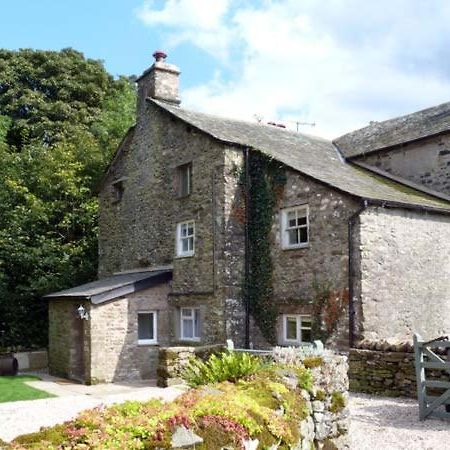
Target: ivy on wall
(329, 305)
(266, 183)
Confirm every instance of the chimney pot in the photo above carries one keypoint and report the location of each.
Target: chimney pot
(159, 55)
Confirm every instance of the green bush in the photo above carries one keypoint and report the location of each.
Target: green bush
(227, 366)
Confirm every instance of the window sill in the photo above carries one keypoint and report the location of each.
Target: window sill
(187, 255)
(295, 247)
(189, 340)
(147, 343)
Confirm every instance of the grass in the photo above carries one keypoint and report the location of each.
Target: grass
(14, 388)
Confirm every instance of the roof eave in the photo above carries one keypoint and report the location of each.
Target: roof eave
(401, 205)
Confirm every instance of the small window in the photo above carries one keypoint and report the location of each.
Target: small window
(147, 328)
(184, 180)
(297, 329)
(190, 324)
(118, 189)
(186, 238)
(295, 227)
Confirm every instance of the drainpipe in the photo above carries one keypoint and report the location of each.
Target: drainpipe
(351, 305)
(247, 247)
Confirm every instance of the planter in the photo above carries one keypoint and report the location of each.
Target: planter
(8, 364)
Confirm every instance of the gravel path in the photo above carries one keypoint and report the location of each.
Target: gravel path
(23, 417)
(379, 423)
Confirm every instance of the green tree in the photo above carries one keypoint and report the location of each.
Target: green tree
(61, 118)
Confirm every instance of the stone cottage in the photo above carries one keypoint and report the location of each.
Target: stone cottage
(215, 229)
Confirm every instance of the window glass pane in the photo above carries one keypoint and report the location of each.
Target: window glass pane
(303, 234)
(301, 221)
(185, 245)
(188, 329)
(183, 230)
(291, 328)
(291, 219)
(292, 237)
(306, 323)
(190, 231)
(197, 323)
(184, 180)
(306, 335)
(145, 326)
(186, 312)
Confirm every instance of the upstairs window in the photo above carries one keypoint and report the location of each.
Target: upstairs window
(147, 328)
(184, 180)
(295, 227)
(190, 324)
(186, 238)
(297, 329)
(118, 188)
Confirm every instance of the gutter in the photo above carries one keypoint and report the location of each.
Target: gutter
(247, 247)
(351, 304)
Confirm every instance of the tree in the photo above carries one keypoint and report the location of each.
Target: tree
(61, 118)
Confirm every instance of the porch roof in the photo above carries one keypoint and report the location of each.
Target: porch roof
(113, 287)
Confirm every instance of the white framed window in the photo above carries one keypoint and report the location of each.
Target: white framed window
(147, 327)
(184, 180)
(186, 238)
(190, 324)
(295, 227)
(297, 329)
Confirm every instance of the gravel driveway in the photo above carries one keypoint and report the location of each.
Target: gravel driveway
(380, 423)
(377, 423)
(28, 416)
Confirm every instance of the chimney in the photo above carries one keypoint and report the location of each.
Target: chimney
(160, 82)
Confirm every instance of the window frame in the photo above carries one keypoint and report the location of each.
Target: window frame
(179, 239)
(194, 310)
(180, 174)
(153, 341)
(284, 227)
(299, 328)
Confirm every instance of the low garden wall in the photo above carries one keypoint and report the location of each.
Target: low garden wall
(173, 360)
(32, 361)
(327, 421)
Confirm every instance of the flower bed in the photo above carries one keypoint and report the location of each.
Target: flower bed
(274, 407)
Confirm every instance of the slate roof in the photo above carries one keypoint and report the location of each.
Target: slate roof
(313, 156)
(388, 133)
(115, 286)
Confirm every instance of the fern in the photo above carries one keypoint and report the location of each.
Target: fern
(227, 366)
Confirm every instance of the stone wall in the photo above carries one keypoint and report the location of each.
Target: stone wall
(391, 374)
(426, 162)
(404, 269)
(35, 361)
(68, 340)
(174, 360)
(115, 353)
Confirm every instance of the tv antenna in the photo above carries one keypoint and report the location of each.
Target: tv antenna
(298, 123)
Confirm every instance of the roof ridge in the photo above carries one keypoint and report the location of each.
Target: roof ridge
(168, 107)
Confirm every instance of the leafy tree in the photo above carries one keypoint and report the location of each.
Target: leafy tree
(61, 118)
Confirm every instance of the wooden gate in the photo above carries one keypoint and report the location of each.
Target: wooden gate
(433, 389)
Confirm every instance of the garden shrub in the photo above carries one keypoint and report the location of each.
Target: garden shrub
(226, 366)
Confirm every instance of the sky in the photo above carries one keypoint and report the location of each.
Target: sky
(338, 64)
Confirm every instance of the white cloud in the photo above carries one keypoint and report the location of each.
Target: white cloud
(340, 64)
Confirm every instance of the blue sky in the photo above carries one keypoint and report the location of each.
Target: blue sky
(338, 63)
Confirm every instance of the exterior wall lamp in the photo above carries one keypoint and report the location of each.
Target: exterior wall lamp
(82, 313)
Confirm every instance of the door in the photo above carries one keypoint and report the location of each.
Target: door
(77, 350)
